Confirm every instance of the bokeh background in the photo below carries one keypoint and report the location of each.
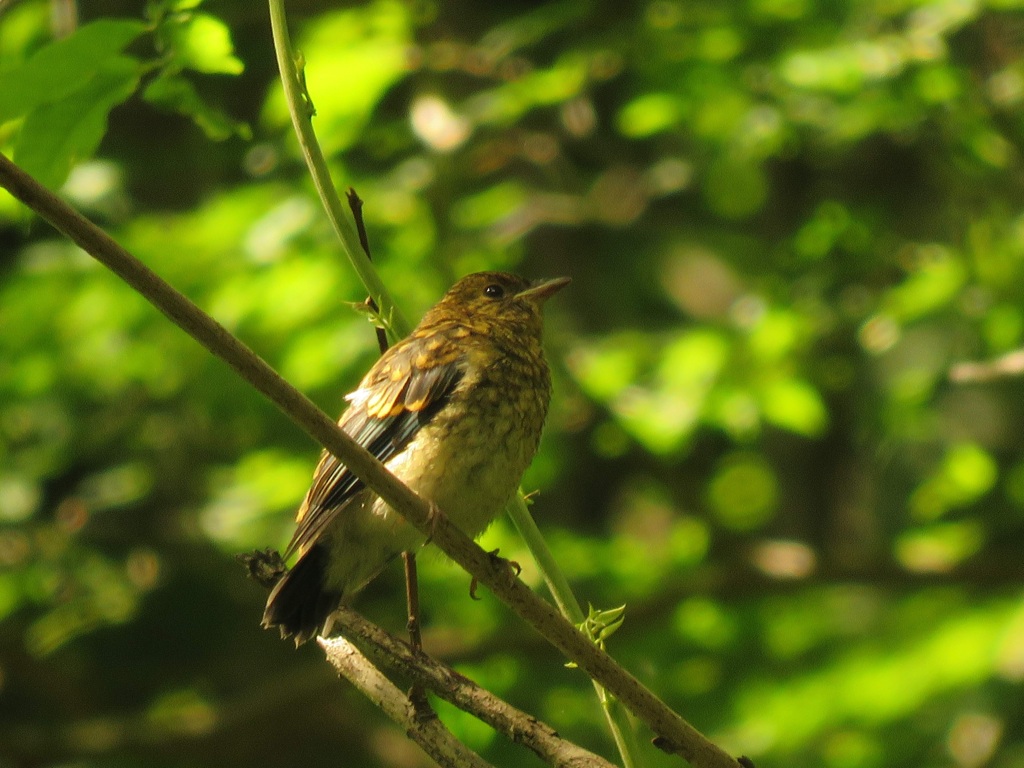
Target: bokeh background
(785, 221)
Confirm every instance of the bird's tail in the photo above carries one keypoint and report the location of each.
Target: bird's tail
(299, 604)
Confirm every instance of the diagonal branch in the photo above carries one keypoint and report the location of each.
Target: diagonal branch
(673, 733)
(518, 726)
(430, 733)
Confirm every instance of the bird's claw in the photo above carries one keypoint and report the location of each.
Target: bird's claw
(493, 554)
(265, 566)
(433, 517)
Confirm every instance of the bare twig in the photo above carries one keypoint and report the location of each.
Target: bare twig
(460, 691)
(674, 734)
(1004, 367)
(355, 204)
(430, 733)
(412, 603)
(412, 600)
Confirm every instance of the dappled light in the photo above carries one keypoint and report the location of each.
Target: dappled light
(788, 224)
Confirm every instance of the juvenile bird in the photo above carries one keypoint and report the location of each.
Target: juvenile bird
(455, 410)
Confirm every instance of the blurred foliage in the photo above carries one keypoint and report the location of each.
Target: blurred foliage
(785, 220)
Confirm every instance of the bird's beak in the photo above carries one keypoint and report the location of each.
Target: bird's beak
(542, 290)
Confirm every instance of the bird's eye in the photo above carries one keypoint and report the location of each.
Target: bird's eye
(494, 291)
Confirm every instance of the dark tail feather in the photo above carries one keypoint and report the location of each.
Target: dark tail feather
(299, 604)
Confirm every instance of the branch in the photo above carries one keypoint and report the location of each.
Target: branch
(673, 734)
(518, 726)
(1010, 364)
(430, 733)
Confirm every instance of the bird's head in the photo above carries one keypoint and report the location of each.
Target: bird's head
(499, 299)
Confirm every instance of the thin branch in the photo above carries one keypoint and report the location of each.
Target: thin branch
(412, 600)
(417, 695)
(429, 732)
(673, 733)
(1009, 365)
(518, 726)
(355, 204)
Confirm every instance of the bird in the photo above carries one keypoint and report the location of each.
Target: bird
(455, 410)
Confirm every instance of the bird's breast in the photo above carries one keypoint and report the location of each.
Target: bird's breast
(471, 456)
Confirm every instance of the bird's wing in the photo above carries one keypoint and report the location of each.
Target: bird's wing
(400, 394)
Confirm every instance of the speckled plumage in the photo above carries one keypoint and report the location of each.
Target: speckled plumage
(455, 410)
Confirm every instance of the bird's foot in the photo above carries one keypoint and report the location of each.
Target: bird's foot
(493, 554)
(265, 566)
(434, 516)
(422, 711)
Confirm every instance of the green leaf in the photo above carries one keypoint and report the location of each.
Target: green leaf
(57, 135)
(939, 276)
(600, 625)
(65, 66)
(735, 189)
(483, 209)
(203, 43)
(966, 473)
(174, 93)
(794, 405)
(744, 492)
(650, 114)
(938, 548)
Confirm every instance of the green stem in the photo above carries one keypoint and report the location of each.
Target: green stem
(300, 108)
(615, 715)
